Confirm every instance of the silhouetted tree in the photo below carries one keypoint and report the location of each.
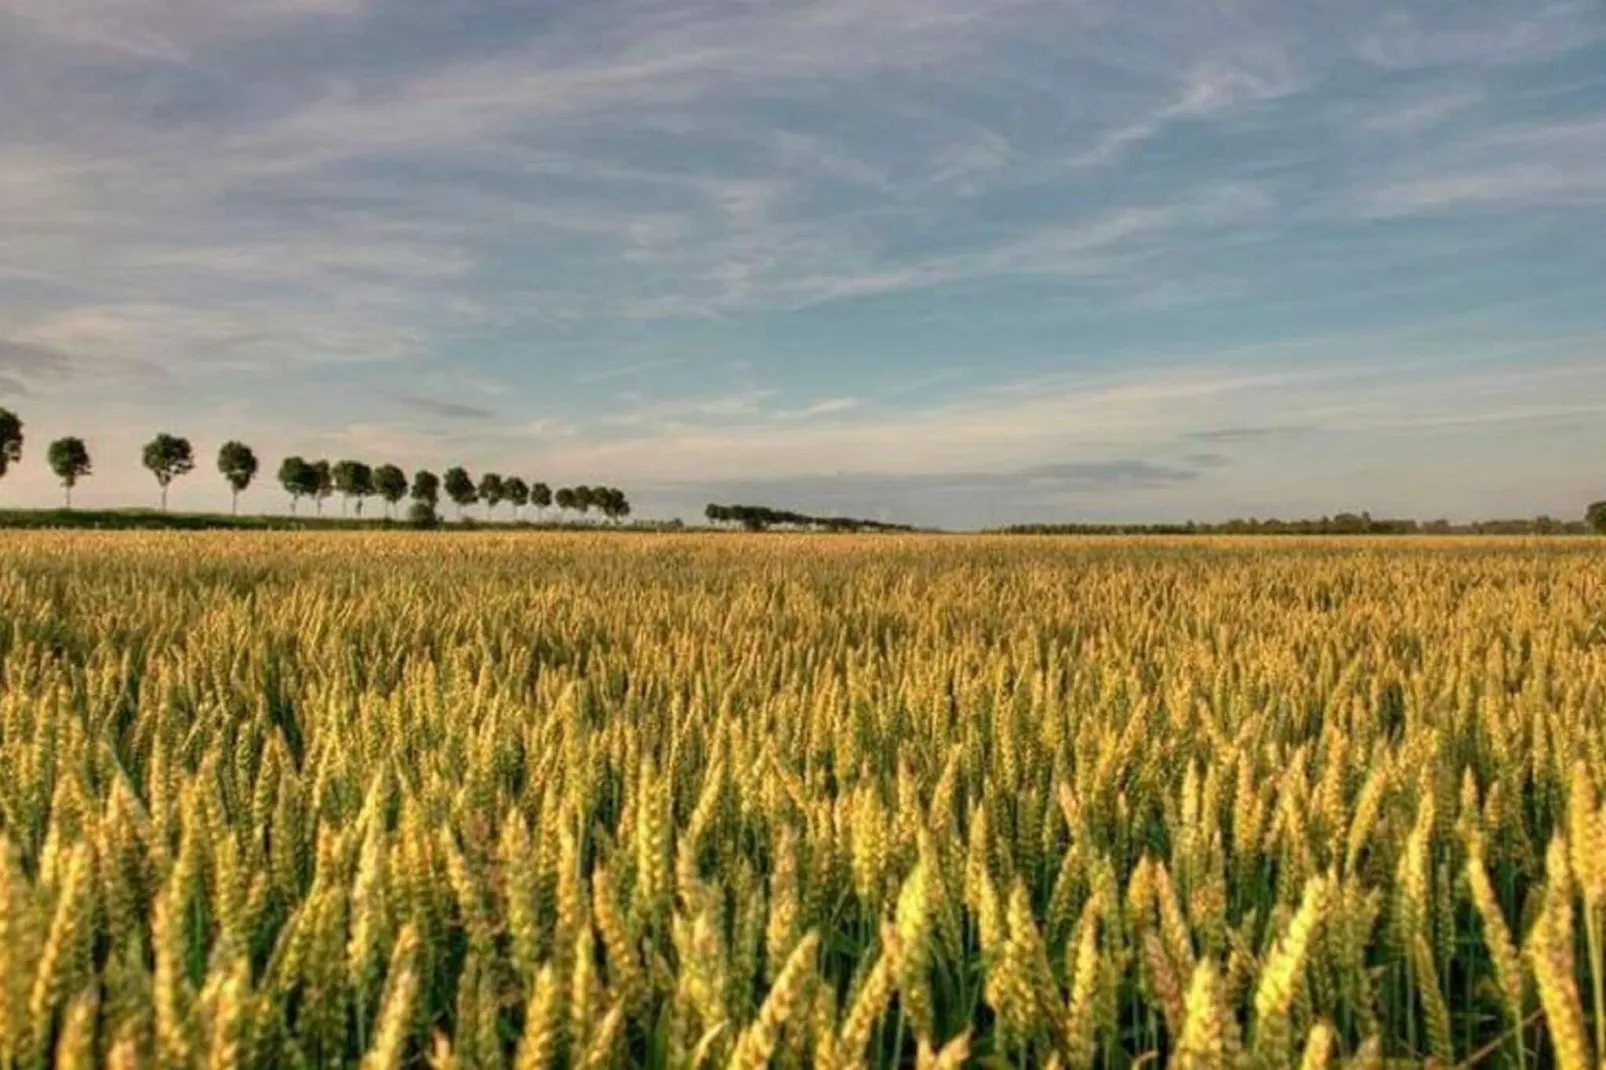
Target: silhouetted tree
(611, 501)
(517, 492)
(364, 486)
(1595, 517)
(541, 498)
(716, 514)
(352, 479)
(168, 457)
(390, 483)
(238, 465)
(565, 501)
(69, 459)
(323, 483)
(426, 488)
(10, 440)
(298, 479)
(583, 500)
(492, 491)
(459, 486)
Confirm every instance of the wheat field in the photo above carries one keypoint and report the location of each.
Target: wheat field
(691, 801)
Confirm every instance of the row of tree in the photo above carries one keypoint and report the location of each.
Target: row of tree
(762, 518)
(356, 482)
(168, 457)
(1342, 524)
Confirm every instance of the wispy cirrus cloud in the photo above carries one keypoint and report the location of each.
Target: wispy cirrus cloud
(161, 30)
(1535, 164)
(1478, 35)
(450, 410)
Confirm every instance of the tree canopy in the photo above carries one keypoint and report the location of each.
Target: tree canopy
(491, 491)
(459, 487)
(168, 457)
(322, 480)
(390, 483)
(517, 492)
(10, 440)
(352, 479)
(238, 464)
(298, 478)
(69, 459)
(426, 488)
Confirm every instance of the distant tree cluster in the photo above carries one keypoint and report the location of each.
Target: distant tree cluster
(356, 482)
(1342, 524)
(762, 518)
(168, 457)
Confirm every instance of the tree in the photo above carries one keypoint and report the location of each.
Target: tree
(238, 464)
(492, 491)
(1595, 517)
(716, 514)
(615, 506)
(565, 501)
(426, 488)
(168, 457)
(322, 482)
(10, 440)
(583, 500)
(541, 498)
(390, 483)
(459, 487)
(517, 492)
(69, 459)
(297, 479)
(352, 479)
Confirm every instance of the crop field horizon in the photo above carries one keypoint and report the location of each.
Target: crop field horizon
(695, 800)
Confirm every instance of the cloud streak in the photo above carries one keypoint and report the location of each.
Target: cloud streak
(449, 410)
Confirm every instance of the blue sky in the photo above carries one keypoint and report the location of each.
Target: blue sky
(947, 261)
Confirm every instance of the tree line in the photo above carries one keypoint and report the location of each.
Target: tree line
(168, 457)
(762, 518)
(1341, 524)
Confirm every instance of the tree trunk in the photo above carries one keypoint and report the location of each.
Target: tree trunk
(234, 503)
(68, 488)
(164, 497)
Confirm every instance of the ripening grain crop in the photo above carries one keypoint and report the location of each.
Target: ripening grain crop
(587, 800)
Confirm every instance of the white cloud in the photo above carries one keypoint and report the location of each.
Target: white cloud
(164, 30)
(1530, 164)
(1495, 34)
(1417, 114)
(823, 407)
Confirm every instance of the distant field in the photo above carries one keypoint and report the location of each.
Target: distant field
(300, 799)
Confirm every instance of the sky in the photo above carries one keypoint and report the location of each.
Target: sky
(956, 262)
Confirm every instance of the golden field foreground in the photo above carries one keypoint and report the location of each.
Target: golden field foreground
(685, 800)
